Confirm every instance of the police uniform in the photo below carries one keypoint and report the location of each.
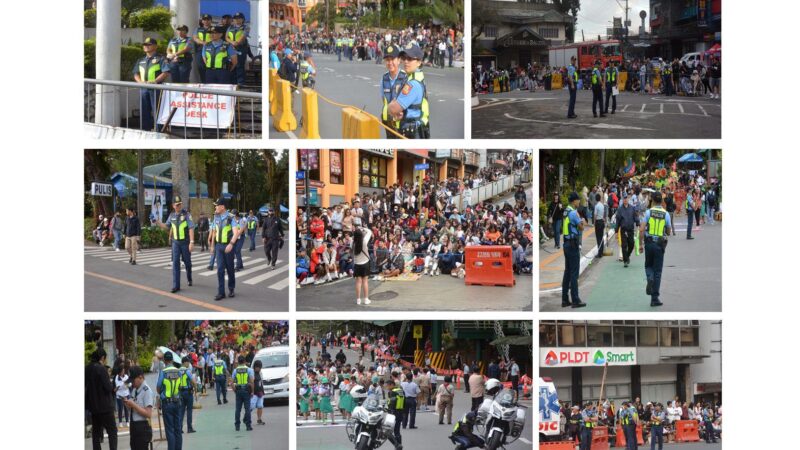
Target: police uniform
(237, 250)
(350, 43)
(149, 68)
(234, 33)
(572, 73)
(571, 235)
(629, 416)
(225, 226)
(657, 429)
(390, 89)
(666, 79)
(413, 98)
(181, 66)
(141, 431)
(212, 232)
(217, 58)
(396, 402)
(656, 222)
(588, 427)
(202, 34)
(597, 90)
(180, 224)
(339, 48)
(221, 380)
(252, 227)
(305, 70)
(612, 74)
(241, 377)
(187, 398)
(169, 385)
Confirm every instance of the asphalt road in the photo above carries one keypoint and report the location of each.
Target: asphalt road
(111, 284)
(358, 83)
(691, 279)
(215, 427)
(543, 115)
(312, 435)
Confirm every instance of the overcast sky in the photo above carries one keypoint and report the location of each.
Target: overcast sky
(596, 15)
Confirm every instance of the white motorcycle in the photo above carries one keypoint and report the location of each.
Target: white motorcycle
(500, 418)
(371, 424)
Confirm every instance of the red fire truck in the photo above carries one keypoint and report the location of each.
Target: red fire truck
(586, 53)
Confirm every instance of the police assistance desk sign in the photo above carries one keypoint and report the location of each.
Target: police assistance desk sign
(587, 356)
(196, 110)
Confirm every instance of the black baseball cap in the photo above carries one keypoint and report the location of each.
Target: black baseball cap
(412, 51)
(222, 201)
(238, 15)
(392, 51)
(183, 28)
(206, 17)
(218, 29)
(168, 356)
(573, 196)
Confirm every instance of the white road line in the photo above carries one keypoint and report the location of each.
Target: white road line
(661, 108)
(624, 108)
(244, 272)
(702, 109)
(280, 285)
(267, 275)
(680, 106)
(526, 441)
(95, 251)
(589, 125)
(643, 106)
(244, 258)
(363, 77)
(291, 134)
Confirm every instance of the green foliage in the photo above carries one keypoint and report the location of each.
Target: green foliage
(159, 335)
(154, 237)
(152, 19)
(128, 56)
(90, 18)
(88, 58)
(144, 352)
(449, 14)
(88, 349)
(88, 227)
(543, 211)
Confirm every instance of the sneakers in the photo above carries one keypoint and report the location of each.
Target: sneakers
(320, 281)
(367, 301)
(116, 249)
(358, 301)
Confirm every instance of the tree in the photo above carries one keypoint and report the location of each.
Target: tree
(180, 174)
(483, 14)
(318, 13)
(97, 168)
(570, 7)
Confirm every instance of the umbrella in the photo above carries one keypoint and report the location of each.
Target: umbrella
(690, 158)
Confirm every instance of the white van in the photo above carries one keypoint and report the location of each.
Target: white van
(274, 371)
(692, 59)
(549, 411)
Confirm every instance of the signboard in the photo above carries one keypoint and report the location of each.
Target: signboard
(300, 175)
(417, 331)
(442, 153)
(702, 13)
(309, 159)
(312, 183)
(587, 356)
(382, 152)
(422, 166)
(198, 110)
(155, 199)
(336, 163)
(102, 189)
(313, 197)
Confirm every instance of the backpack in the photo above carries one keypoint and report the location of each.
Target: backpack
(283, 72)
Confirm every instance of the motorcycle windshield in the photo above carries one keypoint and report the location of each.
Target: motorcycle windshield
(371, 404)
(506, 398)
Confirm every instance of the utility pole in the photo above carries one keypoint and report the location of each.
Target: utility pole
(140, 184)
(602, 165)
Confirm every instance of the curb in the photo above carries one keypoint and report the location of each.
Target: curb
(585, 261)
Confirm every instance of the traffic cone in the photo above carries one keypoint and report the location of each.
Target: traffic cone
(524, 391)
(458, 382)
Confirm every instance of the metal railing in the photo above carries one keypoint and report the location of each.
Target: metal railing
(124, 108)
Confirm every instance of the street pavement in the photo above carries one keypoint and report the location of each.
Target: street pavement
(312, 435)
(215, 426)
(691, 279)
(543, 115)
(111, 284)
(358, 83)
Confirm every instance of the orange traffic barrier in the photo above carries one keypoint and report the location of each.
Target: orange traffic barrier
(273, 85)
(489, 265)
(356, 124)
(686, 431)
(621, 441)
(600, 438)
(559, 445)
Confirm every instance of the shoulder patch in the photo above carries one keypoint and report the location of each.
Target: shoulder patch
(406, 89)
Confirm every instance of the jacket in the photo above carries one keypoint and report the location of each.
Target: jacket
(98, 390)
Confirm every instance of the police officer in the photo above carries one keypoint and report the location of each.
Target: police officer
(657, 427)
(141, 406)
(597, 89)
(589, 421)
(237, 249)
(411, 106)
(181, 230)
(572, 83)
(572, 234)
(350, 43)
(226, 229)
(220, 379)
(187, 394)
(574, 423)
(179, 55)
(169, 385)
(339, 43)
(656, 226)
(666, 79)
(272, 234)
(306, 70)
(395, 403)
(242, 379)
(252, 227)
(219, 59)
(201, 37)
(629, 419)
(612, 74)
(393, 81)
(463, 433)
(236, 35)
(152, 68)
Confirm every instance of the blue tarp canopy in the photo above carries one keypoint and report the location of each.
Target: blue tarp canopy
(690, 158)
(218, 8)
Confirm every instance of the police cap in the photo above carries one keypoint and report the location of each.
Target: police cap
(183, 28)
(235, 212)
(185, 359)
(573, 196)
(218, 29)
(412, 51)
(392, 51)
(206, 17)
(226, 16)
(222, 201)
(177, 199)
(150, 41)
(168, 356)
(238, 15)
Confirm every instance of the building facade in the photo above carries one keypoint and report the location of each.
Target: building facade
(684, 26)
(652, 360)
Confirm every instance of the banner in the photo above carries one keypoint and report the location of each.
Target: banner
(198, 110)
(587, 357)
(155, 199)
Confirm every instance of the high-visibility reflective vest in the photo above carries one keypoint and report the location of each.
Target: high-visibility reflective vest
(595, 77)
(304, 70)
(185, 379)
(204, 35)
(350, 42)
(338, 42)
(588, 423)
(172, 382)
(657, 222)
(179, 223)
(423, 106)
(611, 75)
(235, 33)
(400, 399)
(565, 224)
(216, 57)
(225, 231)
(241, 376)
(574, 73)
(178, 44)
(390, 91)
(219, 368)
(149, 68)
(251, 224)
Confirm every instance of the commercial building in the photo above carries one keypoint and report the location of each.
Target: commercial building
(679, 27)
(653, 360)
(288, 16)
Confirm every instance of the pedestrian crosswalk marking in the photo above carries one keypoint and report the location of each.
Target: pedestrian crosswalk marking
(680, 106)
(643, 106)
(661, 109)
(702, 109)
(268, 275)
(283, 284)
(167, 265)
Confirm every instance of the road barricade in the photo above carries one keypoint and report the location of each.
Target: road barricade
(310, 114)
(686, 431)
(621, 441)
(600, 438)
(559, 445)
(284, 119)
(489, 265)
(556, 82)
(273, 78)
(357, 124)
(496, 86)
(622, 80)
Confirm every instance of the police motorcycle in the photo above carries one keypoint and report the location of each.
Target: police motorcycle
(500, 419)
(371, 424)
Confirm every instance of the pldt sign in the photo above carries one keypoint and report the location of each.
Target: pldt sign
(614, 356)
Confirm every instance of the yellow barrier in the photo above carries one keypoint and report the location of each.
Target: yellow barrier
(284, 119)
(496, 86)
(657, 79)
(273, 78)
(357, 124)
(622, 80)
(556, 82)
(310, 113)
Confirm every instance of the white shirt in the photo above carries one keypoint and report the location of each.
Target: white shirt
(122, 388)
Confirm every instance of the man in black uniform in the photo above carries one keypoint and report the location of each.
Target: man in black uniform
(99, 400)
(395, 402)
(463, 435)
(626, 218)
(141, 407)
(272, 233)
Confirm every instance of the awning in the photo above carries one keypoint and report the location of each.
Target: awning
(513, 340)
(690, 158)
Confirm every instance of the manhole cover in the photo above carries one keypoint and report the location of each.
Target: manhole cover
(388, 295)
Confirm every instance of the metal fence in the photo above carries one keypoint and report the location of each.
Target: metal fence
(126, 104)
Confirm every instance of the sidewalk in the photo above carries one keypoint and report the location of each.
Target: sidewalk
(551, 260)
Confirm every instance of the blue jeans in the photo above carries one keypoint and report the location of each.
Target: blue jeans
(219, 386)
(117, 237)
(710, 436)
(410, 414)
(690, 215)
(172, 424)
(240, 61)
(186, 408)
(224, 264)
(242, 401)
(642, 82)
(180, 250)
(237, 251)
(630, 437)
(557, 229)
(252, 235)
(148, 109)
(586, 438)
(122, 411)
(658, 435)
(573, 94)
(572, 264)
(339, 53)
(653, 265)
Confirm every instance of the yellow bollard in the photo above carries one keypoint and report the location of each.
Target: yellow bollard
(657, 80)
(622, 80)
(556, 83)
(310, 113)
(496, 86)
(358, 125)
(273, 78)
(284, 120)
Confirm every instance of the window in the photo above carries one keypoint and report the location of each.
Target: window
(337, 166)
(599, 336)
(648, 336)
(372, 170)
(572, 335)
(669, 336)
(548, 32)
(624, 336)
(689, 337)
(308, 160)
(547, 335)
(490, 31)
